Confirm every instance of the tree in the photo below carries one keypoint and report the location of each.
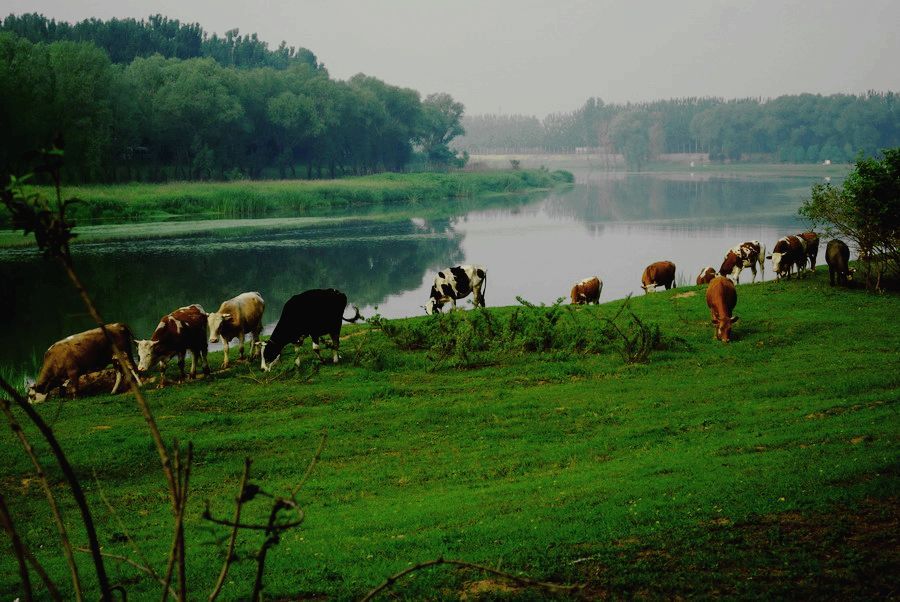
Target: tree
(440, 124)
(866, 210)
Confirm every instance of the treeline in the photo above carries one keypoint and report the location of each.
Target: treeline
(798, 129)
(211, 115)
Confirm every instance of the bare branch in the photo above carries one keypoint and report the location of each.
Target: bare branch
(229, 555)
(389, 582)
(18, 549)
(143, 568)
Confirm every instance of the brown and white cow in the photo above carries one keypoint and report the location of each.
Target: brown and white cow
(837, 256)
(236, 318)
(788, 252)
(721, 298)
(812, 247)
(660, 273)
(745, 255)
(177, 333)
(81, 354)
(706, 275)
(587, 291)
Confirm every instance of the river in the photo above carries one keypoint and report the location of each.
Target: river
(534, 246)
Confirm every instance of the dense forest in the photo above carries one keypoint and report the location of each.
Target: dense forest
(804, 128)
(157, 100)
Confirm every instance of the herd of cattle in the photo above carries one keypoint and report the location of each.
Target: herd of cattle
(319, 312)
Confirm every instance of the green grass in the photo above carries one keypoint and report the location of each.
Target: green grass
(766, 468)
(120, 203)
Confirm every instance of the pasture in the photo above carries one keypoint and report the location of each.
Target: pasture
(766, 468)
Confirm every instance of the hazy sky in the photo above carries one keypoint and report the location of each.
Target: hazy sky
(538, 57)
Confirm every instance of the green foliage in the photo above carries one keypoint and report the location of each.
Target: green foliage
(865, 209)
(803, 128)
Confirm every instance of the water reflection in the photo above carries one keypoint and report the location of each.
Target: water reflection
(533, 246)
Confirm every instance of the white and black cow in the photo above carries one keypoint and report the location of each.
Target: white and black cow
(745, 255)
(456, 283)
(788, 252)
(311, 314)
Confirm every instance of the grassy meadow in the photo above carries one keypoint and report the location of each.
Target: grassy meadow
(519, 438)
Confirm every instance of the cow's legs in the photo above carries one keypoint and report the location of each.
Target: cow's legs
(254, 345)
(336, 342)
(118, 380)
(241, 343)
(193, 363)
(315, 346)
(73, 382)
(297, 349)
(753, 271)
(453, 303)
(225, 351)
(204, 355)
(181, 364)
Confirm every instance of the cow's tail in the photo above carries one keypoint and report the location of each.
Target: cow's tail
(762, 259)
(483, 284)
(355, 318)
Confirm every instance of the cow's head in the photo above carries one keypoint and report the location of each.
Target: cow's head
(214, 321)
(433, 306)
(268, 355)
(33, 395)
(649, 288)
(723, 327)
(148, 354)
(776, 261)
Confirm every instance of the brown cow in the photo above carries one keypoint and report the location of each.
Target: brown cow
(80, 354)
(661, 273)
(745, 255)
(587, 291)
(721, 297)
(788, 252)
(812, 248)
(177, 333)
(837, 256)
(236, 318)
(706, 275)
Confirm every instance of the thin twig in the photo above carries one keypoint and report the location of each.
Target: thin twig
(312, 464)
(48, 582)
(229, 556)
(74, 486)
(48, 492)
(143, 568)
(468, 565)
(271, 539)
(18, 549)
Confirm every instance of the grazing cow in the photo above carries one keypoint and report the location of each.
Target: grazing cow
(661, 273)
(788, 252)
(456, 283)
(721, 297)
(80, 354)
(235, 318)
(587, 291)
(177, 333)
(706, 275)
(310, 314)
(812, 248)
(837, 256)
(745, 255)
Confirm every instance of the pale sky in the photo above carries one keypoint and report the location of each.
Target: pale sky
(537, 57)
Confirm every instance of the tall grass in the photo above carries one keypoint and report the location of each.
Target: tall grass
(250, 199)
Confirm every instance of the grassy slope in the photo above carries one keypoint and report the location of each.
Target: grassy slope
(765, 468)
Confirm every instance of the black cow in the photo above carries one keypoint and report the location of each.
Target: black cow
(837, 256)
(310, 314)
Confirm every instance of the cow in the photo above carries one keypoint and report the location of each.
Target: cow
(788, 252)
(587, 291)
(177, 333)
(837, 256)
(661, 273)
(311, 314)
(706, 275)
(721, 297)
(812, 248)
(456, 283)
(234, 319)
(745, 255)
(80, 354)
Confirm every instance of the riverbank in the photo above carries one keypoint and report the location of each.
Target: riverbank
(761, 469)
(118, 203)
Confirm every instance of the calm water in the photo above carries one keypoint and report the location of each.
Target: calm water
(536, 246)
